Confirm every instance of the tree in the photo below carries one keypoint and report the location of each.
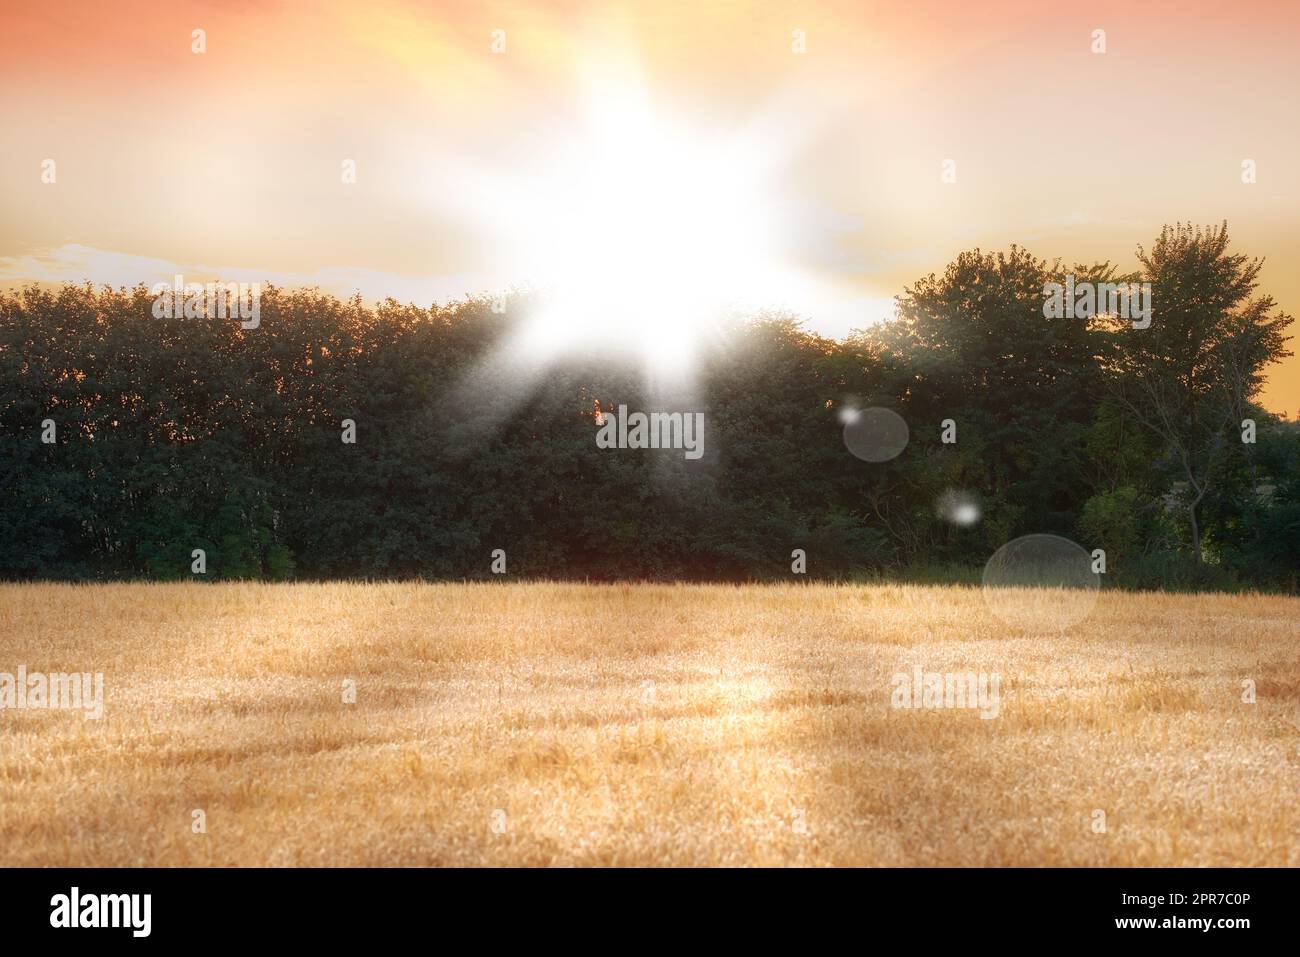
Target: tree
(974, 345)
(1189, 376)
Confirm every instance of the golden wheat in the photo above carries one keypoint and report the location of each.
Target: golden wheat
(552, 724)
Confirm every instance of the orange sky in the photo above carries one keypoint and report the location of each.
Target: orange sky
(228, 163)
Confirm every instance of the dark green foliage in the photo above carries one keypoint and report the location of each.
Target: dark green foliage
(183, 434)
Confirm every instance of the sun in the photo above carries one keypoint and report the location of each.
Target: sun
(659, 228)
(640, 229)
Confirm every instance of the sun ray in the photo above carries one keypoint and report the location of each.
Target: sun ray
(640, 231)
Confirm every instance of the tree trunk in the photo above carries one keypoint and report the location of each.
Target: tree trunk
(1196, 533)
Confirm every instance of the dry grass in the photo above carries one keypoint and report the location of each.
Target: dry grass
(768, 706)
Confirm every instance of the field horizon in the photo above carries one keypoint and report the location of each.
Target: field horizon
(647, 724)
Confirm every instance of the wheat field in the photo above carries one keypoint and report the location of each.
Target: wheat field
(564, 724)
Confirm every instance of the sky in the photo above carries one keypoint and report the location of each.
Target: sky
(823, 132)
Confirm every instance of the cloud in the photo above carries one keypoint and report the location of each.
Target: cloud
(76, 263)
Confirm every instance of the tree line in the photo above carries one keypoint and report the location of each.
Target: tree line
(174, 434)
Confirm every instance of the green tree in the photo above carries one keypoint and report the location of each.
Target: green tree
(1190, 376)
